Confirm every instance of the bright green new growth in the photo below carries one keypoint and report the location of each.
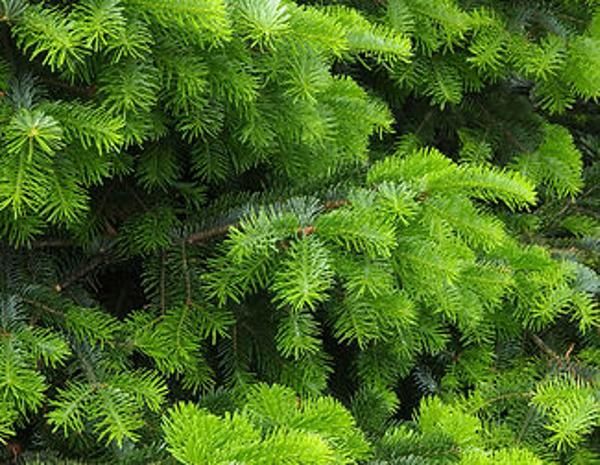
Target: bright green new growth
(273, 427)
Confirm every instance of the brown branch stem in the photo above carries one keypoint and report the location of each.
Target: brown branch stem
(206, 235)
(94, 263)
(44, 307)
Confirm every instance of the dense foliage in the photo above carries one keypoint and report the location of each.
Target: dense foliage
(310, 232)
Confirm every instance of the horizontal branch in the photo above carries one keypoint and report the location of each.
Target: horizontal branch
(198, 237)
(43, 306)
(52, 243)
(206, 235)
(82, 272)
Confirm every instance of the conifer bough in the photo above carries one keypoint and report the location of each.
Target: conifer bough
(299, 232)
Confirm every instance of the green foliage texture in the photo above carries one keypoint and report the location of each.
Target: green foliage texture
(264, 232)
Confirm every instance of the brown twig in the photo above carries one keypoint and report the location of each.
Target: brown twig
(509, 135)
(186, 275)
(94, 263)
(306, 231)
(198, 237)
(206, 235)
(335, 204)
(564, 362)
(42, 306)
(88, 91)
(52, 243)
(544, 347)
(424, 122)
(162, 283)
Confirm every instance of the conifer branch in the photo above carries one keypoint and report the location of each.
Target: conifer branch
(53, 243)
(44, 307)
(82, 272)
(545, 348)
(209, 234)
(186, 275)
(162, 289)
(134, 129)
(88, 92)
(507, 133)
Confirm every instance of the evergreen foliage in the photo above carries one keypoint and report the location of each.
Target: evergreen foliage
(299, 232)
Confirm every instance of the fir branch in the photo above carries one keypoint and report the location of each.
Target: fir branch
(206, 235)
(101, 259)
(186, 274)
(209, 234)
(53, 243)
(42, 306)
